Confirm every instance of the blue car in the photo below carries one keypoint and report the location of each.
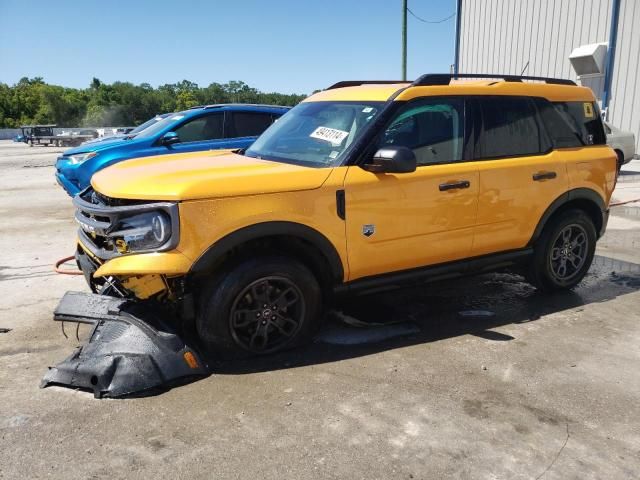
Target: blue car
(199, 128)
(132, 133)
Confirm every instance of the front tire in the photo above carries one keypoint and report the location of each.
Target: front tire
(259, 306)
(563, 254)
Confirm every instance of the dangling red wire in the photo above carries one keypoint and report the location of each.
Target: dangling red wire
(66, 271)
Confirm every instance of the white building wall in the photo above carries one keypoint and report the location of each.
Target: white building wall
(624, 106)
(502, 36)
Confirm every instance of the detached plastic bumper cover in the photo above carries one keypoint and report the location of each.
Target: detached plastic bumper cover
(130, 351)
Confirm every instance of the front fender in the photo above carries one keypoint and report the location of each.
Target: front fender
(271, 229)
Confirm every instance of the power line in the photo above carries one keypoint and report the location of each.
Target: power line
(405, 9)
(431, 21)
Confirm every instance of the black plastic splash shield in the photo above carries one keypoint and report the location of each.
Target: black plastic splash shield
(130, 350)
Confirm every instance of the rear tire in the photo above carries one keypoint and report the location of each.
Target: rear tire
(620, 160)
(563, 253)
(259, 306)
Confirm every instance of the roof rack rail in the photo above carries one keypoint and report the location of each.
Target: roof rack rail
(356, 83)
(445, 78)
(235, 104)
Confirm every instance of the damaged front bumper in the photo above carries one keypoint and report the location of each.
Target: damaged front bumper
(131, 349)
(129, 246)
(126, 283)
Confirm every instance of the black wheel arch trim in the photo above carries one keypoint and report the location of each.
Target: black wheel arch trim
(567, 197)
(264, 230)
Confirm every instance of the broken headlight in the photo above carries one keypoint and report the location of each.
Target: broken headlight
(142, 231)
(112, 227)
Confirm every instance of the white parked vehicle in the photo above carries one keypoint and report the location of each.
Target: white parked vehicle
(624, 143)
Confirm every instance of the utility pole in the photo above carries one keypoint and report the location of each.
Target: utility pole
(404, 39)
(456, 59)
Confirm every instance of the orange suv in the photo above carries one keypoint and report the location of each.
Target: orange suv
(361, 186)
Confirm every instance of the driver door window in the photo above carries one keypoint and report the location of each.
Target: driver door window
(201, 129)
(432, 128)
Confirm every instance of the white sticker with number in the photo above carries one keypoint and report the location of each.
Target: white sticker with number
(331, 135)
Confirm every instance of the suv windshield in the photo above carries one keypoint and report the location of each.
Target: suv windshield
(147, 124)
(161, 125)
(315, 133)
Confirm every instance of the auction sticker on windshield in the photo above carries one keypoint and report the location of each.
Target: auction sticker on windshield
(331, 135)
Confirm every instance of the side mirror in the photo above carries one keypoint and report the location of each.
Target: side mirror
(392, 160)
(169, 138)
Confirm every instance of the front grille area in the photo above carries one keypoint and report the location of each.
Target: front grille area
(100, 199)
(99, 215)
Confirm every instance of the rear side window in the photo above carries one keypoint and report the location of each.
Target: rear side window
(510, 128)
(582, 120)
(563, 134)
(249, 124)
(202, 128)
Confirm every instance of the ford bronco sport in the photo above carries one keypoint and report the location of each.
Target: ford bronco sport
(361, 186)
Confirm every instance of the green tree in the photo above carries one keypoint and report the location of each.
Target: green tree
(31, 100)
(186, 100)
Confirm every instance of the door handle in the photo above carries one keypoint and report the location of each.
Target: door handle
(454, 185)
(544, 176)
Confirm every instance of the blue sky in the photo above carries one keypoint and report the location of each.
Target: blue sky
(277, 45)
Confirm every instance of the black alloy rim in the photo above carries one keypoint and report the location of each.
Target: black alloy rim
(568, 252)
(266, 314)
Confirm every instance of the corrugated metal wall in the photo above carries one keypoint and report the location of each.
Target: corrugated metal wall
(624, 107)
(502, 36)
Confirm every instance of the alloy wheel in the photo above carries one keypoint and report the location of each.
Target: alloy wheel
(569, 252)
(266, 314)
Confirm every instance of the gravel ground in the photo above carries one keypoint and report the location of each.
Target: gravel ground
(546, 387)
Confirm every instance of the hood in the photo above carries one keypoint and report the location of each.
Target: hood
(100, 145)
(199, 175)
(111, 138)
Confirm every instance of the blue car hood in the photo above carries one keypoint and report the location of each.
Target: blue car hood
(101, 146)
(111, 138)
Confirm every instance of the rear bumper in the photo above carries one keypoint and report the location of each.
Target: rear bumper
(629, 153)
